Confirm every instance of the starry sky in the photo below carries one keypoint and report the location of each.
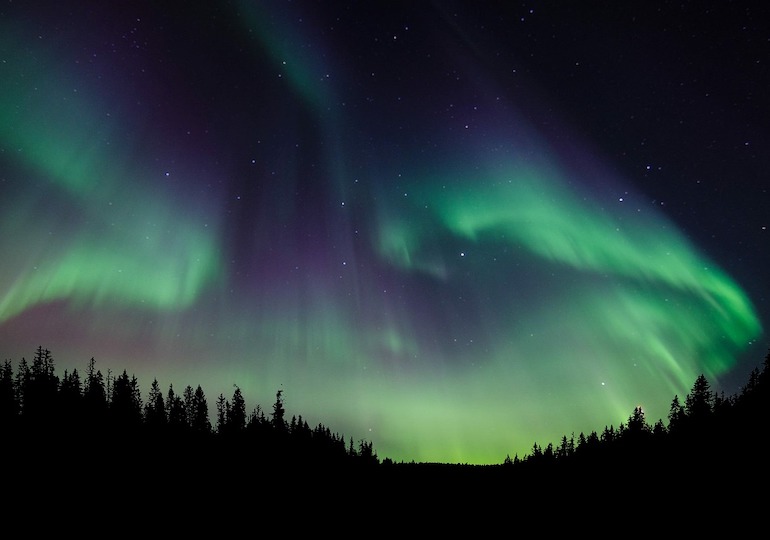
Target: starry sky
(453, 229)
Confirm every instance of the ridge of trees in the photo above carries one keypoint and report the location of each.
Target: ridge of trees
(103, 419)
(707, 434)
(83, 420)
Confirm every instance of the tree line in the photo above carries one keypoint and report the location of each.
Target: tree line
(706, 436)
(101, 419)
(97, 419)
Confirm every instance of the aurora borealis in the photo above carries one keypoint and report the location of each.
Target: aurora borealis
(450, 230)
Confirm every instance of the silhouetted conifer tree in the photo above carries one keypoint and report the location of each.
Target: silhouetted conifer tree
(43, 364)
(676, 415)
(95, 395)
(126, 404)
(637, 424)
(177, 415)
(699, 402)
(566, 447)
(279, 422)
(155, 417)
(9, 410)
(200, 412)
(222, 413)
(536, 454)
(236, 418)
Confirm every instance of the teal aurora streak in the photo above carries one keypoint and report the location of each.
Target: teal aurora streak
(504, 303)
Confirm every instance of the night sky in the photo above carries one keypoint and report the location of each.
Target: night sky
(453, 229)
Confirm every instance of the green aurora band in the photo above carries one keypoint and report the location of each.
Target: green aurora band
(532, 210)
(88, 174)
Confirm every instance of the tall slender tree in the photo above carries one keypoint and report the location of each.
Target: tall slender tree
(177, 415)
(94, 391)
(279, 412)
(222, 414)
(8, 406)
(236, 419)
(200, 412)
(155, 416)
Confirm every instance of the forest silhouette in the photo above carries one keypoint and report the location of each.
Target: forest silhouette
(59, 430)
